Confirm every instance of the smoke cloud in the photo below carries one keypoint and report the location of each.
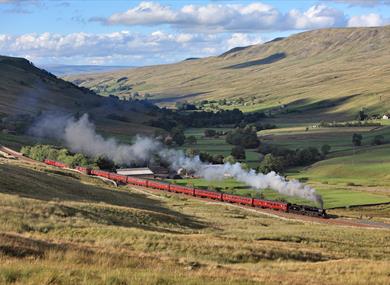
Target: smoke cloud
(80, 136)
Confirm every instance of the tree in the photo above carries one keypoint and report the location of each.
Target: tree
(271, 163)
(229, 159)
(191, 152)
(191, 140)
(357, 139)
(209, 133)
(238, 152)
(325, 149)
(362, 115)
(104, 163)
(378, 140)
(178, 136)
(218, 159)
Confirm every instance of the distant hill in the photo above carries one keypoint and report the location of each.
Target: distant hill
(62, 69)
(26, 89)
(323, 74)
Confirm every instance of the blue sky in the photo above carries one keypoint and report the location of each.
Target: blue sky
(153, 32)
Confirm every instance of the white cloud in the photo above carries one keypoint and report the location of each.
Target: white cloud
(227, 17)
(362, 2)
(317, 16)
(240, 39)
(119, 47)
(369, 20)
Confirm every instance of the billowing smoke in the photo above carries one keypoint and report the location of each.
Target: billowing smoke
(259, 181)
(80, 136)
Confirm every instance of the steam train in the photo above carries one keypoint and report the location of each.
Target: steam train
(201, 193)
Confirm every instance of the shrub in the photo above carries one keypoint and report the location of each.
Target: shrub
(357, 139)
(378, 140)
(325, 149)
(238, 152)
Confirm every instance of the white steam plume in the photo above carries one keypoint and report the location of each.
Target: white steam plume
(80, 136)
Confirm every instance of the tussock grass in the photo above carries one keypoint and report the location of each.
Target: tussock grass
(54, 232)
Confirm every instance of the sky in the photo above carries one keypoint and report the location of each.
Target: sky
(139, 33)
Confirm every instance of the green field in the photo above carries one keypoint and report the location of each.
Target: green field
(218, 145)
(57, 227)
(349, 176)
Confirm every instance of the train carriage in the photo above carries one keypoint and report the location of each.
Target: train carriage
(118, 178)
(137, 181)
(237, 199)
(84, 170)
(158, 185)
(270, 204)
(208, 194)
(100, 173)
(182, 189)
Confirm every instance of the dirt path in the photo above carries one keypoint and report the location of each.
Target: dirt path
(16, 154)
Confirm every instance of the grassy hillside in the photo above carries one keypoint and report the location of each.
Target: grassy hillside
(328, 74)
(26, 89)
(57, 227)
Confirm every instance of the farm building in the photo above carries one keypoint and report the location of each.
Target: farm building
(385, 117)
(141, 172)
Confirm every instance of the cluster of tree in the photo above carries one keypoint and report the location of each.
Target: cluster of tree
(41, 152)
(185, 106)
(207, 119)
(210, 133)
(245, 137)
(205, 156)
(377, 140)
(278, 159)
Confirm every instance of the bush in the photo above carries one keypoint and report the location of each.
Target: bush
(357, 139)
(191, 140)
(238, 152)
(209, 133)
(378, 140)
(325, 149)
(271, 163)
(245, 137)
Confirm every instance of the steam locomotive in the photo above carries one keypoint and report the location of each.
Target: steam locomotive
(228, 198)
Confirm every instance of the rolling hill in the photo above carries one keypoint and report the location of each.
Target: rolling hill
(26, 89)
(330, 73)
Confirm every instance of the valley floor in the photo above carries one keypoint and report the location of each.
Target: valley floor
(58, 227)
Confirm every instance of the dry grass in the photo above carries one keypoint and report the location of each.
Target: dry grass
(62, 228)
(336, 73)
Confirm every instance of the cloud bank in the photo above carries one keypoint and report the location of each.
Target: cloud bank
(121, 46)
(214, 18)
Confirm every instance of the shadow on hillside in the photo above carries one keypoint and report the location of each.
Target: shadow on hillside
(303, 105)
(53, 187)
(267, 60)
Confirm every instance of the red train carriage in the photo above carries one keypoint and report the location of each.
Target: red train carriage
(182, 189)
(55, 163)
(270, 205)
(208, 194)
(158, 185)
(100, 173)
(84, 170)
(237, 199)
(137, 181)
(118, 178)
